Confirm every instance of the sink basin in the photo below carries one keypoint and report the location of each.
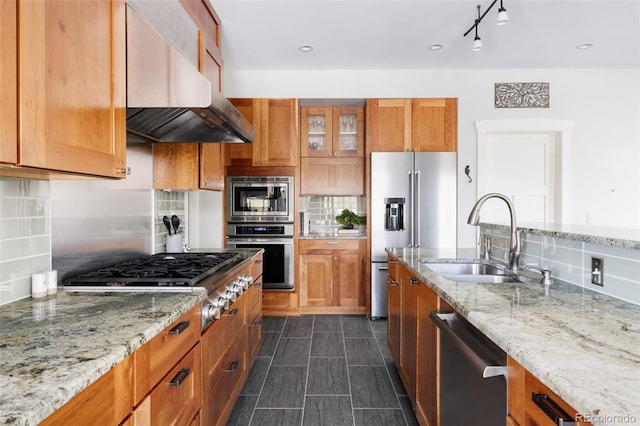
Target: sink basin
(470, 272)
(485, 279)
(463, 268)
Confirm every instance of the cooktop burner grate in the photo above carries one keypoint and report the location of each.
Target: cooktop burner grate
(164, 269)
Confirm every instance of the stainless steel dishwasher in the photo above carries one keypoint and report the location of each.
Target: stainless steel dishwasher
(473, 373)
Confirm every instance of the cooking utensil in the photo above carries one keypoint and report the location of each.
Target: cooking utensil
(167, 224)
(175, 221)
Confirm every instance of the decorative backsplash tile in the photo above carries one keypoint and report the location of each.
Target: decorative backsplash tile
(25, 235)
(169, 203)
(323, 210)
(570, 261)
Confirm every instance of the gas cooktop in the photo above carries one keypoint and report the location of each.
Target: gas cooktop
(158, 270)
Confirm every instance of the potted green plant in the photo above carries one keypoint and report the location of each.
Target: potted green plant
(348, 218)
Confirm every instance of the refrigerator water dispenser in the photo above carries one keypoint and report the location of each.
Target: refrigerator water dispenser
(394, 214)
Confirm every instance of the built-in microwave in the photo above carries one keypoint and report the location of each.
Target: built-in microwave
(260, 199)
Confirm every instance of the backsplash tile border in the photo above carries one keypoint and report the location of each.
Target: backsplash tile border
(570, 261)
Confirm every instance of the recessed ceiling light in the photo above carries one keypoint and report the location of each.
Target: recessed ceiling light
(306, 48)
(436, 46)
(584, 46)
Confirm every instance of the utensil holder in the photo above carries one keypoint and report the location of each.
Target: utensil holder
(173, 243)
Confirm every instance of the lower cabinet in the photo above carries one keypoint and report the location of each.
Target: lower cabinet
(332, 276)
(426, 392)
(409, 286)
(393, 310)
(531, 403)
(106, 402)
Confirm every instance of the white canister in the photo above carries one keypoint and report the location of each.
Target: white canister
(38, 285)
(173, 243)
(51, 278)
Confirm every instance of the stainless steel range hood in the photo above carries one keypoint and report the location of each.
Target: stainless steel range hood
(168, 100)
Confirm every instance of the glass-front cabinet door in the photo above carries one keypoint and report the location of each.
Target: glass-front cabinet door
(348, 132)
(332, 132)
(316, 131)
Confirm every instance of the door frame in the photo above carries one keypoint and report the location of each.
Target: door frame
(562, 129)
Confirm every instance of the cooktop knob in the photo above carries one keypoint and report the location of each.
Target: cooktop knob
(246, 280)
(231, 296)
(236, 287)
(221, 302)
(213, 313)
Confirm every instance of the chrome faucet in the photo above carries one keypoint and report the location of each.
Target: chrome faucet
(514, 240)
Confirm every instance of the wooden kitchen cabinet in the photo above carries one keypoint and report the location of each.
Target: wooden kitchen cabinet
(423, 125)
(9, 78)
(332, 276)
(188, 166)
(522, 386)
(331, 132)
(393, 309)
(426, 395)
(409, 286)
(332, 176)
(276, 137)
(107, 401)
(72, 98)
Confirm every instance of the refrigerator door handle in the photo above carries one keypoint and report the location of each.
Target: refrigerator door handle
(412, 209)
(416, 208)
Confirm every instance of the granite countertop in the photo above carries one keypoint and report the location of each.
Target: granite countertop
(583, 345)
(52, 349)
(331, 236)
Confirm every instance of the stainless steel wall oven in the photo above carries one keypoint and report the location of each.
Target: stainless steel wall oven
(277, 242)
(260, 199)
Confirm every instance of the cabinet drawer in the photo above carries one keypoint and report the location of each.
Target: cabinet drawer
(332, 246)
(156, 357)
(253, 302)
(226, 378)
(535, 414)
(219, 336)
(256, 267)
(177, 398)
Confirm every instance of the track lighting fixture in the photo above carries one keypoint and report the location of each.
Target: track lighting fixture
(503, 18)
(477, 42)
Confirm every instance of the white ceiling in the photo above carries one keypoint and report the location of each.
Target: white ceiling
(395, 34)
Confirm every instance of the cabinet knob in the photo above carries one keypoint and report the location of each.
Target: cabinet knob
(205, 184)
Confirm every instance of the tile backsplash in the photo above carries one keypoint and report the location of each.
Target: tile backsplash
(323, 210)
(570, 261)
(25, 235)
(169, 203)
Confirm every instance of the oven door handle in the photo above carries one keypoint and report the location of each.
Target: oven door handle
(286, 241)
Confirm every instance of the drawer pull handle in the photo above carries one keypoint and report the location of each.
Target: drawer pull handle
(258, 323)
(232, 367)
(392, 283)
(179, 328)
(413, 281)
(551, 409)
(258, 285)
(258, 262)
(233, 312)
(179, 378)
(332, 243)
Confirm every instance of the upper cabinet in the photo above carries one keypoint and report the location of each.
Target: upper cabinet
(424, 125)
(72, 98)
(9, 78)
(191, 166)
(332, 132)
(276, 139)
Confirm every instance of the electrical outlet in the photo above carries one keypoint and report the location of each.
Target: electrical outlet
(597, 271)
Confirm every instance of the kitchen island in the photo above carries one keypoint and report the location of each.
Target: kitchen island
(583, 345)
(52, 349)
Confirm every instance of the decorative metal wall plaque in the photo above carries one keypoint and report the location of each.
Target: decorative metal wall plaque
(522, 95)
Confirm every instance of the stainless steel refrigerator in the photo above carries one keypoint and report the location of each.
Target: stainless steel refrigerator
(413, 204)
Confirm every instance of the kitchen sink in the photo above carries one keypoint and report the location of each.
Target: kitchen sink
(471, 272)
(463, 268)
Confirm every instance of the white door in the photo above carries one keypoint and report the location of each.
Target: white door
(522, 159)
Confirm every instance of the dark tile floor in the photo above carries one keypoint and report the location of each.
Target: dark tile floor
(323, 370)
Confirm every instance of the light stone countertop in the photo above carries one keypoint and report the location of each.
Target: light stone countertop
(52, 349)
(583, 345)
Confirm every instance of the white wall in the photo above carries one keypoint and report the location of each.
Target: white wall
(603, 104)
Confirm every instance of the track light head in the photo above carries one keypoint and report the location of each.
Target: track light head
(503, 17)
(477, 44)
